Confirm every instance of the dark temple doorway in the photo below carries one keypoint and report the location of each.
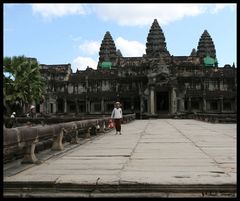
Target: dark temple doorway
(162, 102)
(60, 105)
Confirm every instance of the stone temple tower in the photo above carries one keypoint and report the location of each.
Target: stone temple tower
(156, 44)
(206, 46)
(108, 52)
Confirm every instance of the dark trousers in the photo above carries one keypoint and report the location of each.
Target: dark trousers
(117, 124)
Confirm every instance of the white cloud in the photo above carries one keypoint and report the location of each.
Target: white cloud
(81, 63)
(49, 11)
(130, 48)
(218, 7)
(90, 47)
(130, 14)
(143, 14)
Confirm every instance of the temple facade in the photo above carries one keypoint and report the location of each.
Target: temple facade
(155, 84)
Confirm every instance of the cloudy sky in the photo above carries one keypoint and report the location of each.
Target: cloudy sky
(72, 33)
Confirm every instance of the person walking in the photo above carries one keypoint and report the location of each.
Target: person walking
(31, 114)
(117, 116)
(12, 122)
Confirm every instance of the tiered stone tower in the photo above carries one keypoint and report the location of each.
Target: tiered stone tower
(156, 44)
(206, 46)
(108, 52)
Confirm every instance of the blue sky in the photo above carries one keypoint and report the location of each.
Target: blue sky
(72, 33)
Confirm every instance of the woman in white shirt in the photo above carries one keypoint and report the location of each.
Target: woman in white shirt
(117, 116)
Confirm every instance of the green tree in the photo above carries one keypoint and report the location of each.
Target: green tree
(23, 82)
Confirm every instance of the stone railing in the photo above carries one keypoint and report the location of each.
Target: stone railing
(26, 138)
(209, 117)
(23, 121)
(216, 118)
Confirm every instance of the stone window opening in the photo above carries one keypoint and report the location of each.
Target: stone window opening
(227, 106)
(51, 107)
(82, 106)
(72, 107)
(214, 105)
(195, 104)
(60, 105)
(97, 107)
(109, 107)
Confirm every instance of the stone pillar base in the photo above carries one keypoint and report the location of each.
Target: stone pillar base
(57, 144)
(29, 155)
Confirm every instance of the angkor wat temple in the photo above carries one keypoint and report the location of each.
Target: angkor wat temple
(155, 84)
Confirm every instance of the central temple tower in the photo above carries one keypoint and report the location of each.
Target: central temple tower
(156, 44)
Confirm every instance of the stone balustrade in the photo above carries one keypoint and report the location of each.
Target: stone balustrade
(216, 118)
(26, 138)
(209, 117)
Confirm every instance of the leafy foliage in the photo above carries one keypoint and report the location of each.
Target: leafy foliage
(23, 82)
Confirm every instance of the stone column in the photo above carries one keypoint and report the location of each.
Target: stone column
(141, 106)
(204, 109)
(173, 101)
(221, 104)
(189, 104)
(102, 106)
(54, 107)
(152, 100)
(181, 106)
(65, 105)
(87, 102)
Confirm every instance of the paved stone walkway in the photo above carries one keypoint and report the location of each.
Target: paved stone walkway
(155, 151)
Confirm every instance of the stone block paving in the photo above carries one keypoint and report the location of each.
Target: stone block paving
(155, 151)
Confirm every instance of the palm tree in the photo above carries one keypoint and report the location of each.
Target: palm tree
(23, 82)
